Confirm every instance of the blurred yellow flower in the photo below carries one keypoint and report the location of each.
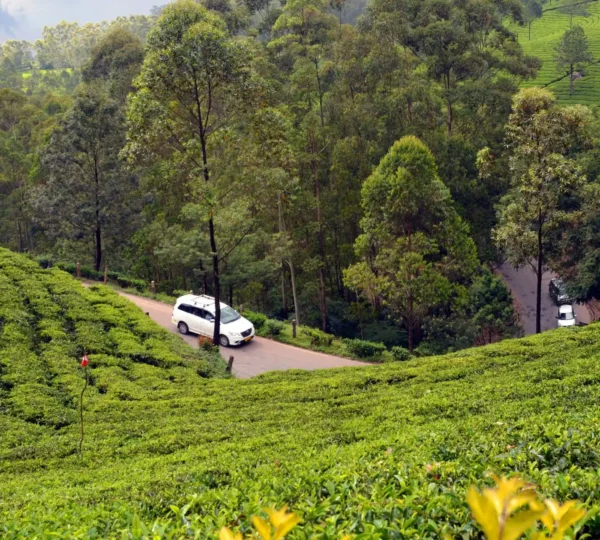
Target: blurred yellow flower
(493, 509)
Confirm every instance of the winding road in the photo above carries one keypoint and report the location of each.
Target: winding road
(523, 284)
(258, 356)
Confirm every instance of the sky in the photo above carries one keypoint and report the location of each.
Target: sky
(24, 19)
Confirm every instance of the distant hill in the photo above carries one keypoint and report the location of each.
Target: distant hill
(545, 36)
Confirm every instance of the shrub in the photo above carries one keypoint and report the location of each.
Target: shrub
(180, 292)
(45, 261)
(400, 354)
(365, 349)
(127, 282)
(274, 328)
(318, 337)
(67, 267)
(257, 319)
(90, 273)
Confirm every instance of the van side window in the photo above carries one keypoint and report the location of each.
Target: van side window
(185, 308)
(203, 314)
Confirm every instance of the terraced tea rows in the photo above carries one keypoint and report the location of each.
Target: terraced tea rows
(47, 322)
(381, 452)
(545, 36)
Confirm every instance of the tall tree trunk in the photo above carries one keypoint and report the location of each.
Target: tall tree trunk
(98, 257)
(450, 112)
(231, 294)
(216, 279)
(337, 267)
(211, 225)
(538, 303)
(294, 294)
(410, 325)
(320, 239)
(20, 235)
(571, 80)
(283, 295)
(98, 231)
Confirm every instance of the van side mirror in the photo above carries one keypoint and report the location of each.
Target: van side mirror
(211, 320)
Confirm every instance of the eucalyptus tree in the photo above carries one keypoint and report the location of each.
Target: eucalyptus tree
(195, 86)
(573, 53)
(543, 172)
(414, 249)
(87, 194)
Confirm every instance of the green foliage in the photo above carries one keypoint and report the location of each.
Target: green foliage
(544, 177)
(491, 309)
(48, 320)
(86, 271)
(400, 354)
(257, 319)
(127, 282)
(251, 138)
(453, 38)
(546, 34)
(414, 244)
(572, 53)
(86, 193)
(116, 59)
(391, 448)
(317, 337)
(273, 328)
(365, 349)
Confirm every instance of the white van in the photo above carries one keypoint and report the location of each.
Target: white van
(566, 316)
(197, 314)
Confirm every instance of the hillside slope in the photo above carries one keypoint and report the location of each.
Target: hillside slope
(48, 321)
(387, 451)
(545, 36)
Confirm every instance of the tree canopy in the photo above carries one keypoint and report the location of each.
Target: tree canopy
(332, 162)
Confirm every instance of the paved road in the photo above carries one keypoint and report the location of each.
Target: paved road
(258, 356)
(522, 284)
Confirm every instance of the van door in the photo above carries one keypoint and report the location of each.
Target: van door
(205, 327)
(185, 314)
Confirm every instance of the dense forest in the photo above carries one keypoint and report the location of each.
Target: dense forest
(361, 168)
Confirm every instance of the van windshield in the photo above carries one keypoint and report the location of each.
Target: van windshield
(565, 316)
(228, 315)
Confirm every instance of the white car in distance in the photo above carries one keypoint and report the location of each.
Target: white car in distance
(197, 314)
(566, 316)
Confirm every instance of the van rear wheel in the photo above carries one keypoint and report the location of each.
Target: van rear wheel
(223, 341)
(183, 328)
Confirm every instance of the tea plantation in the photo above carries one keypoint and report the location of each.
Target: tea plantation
(379, 452)
(545, 36)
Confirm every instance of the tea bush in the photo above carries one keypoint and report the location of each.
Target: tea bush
(380, 452)
(365, 349)
(127, 282)
(400, 354)
(273, 328)
(257, 319)
(317, 337)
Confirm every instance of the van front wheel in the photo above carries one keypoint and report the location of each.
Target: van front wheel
(223, 341)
